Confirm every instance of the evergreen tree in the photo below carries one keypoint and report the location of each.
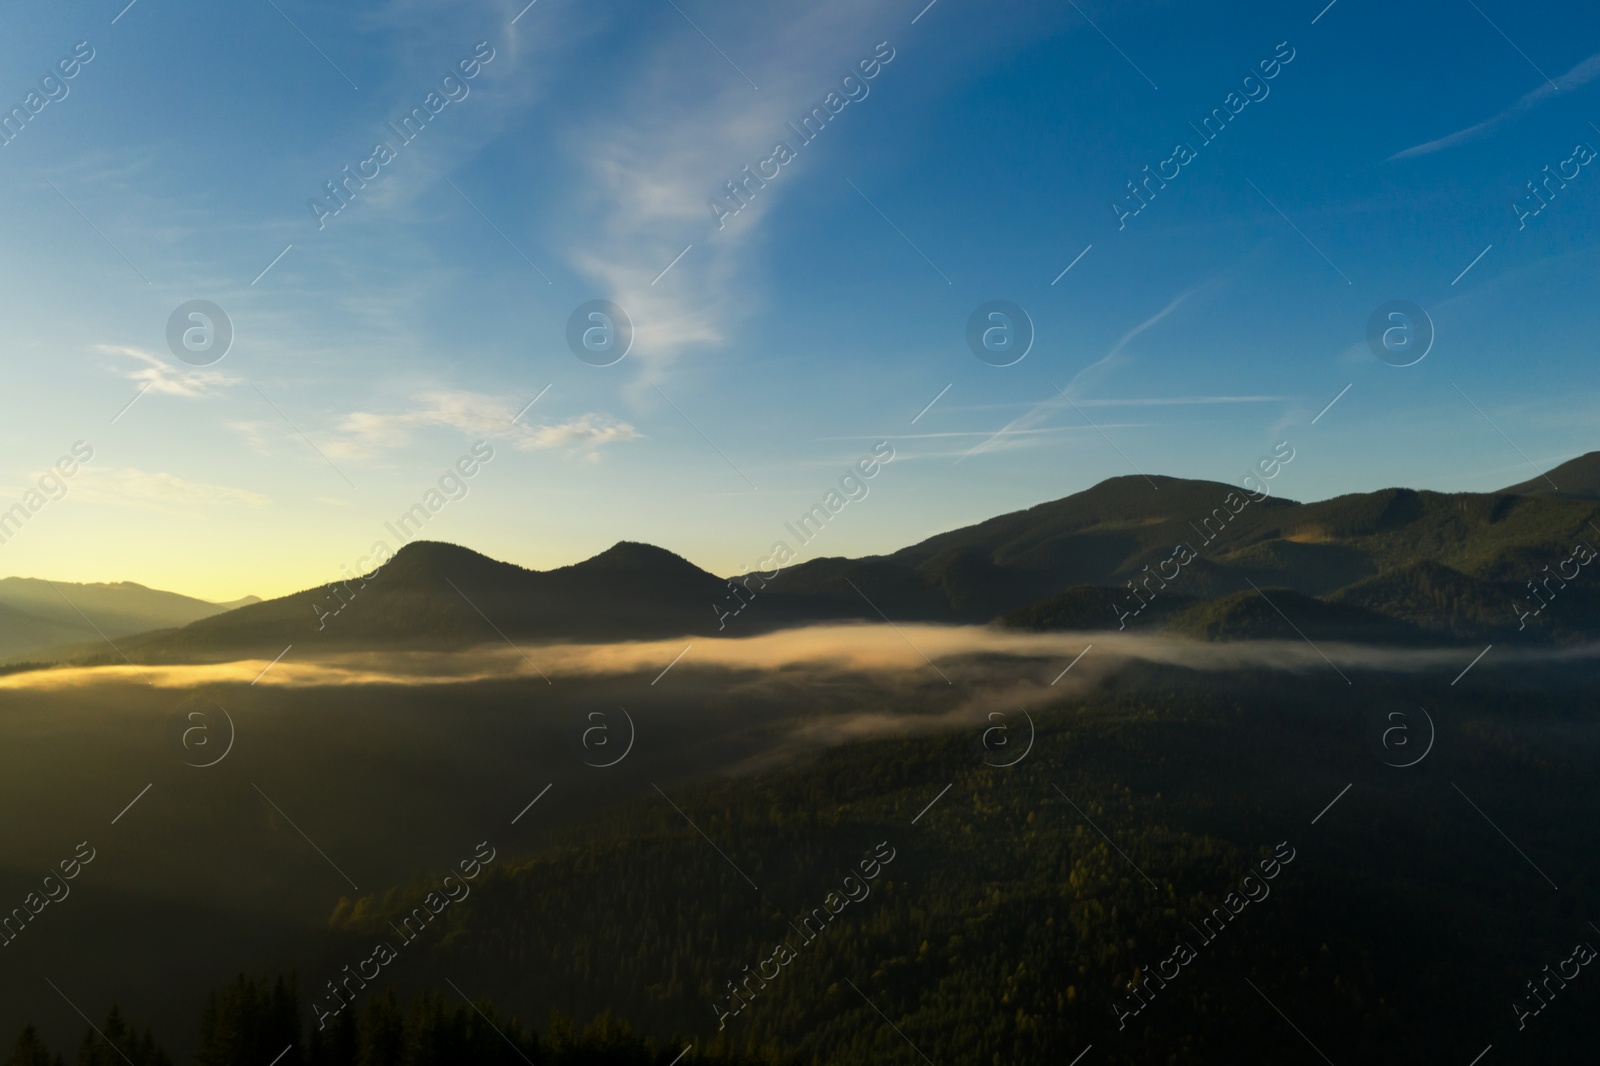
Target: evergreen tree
(31, 1050)
(338, 1044)
(250, 1017)
(117, 1044)
(382, 1032)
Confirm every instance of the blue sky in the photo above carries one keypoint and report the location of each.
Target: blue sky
(982, 161)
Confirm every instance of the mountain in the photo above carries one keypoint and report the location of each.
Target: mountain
(21, 632)
(433, 594)
(1578, 477)
(37, 615)
(1446, 566)
(1394, 565)
(1013, 560)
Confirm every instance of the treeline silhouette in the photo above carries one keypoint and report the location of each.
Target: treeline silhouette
(260, 1022)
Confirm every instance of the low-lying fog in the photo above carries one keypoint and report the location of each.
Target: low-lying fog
(835, 648)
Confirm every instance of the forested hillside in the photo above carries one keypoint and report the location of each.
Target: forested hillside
(1018, 907)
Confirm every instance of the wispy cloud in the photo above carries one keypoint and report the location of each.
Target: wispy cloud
(368, 434)
(161, 376)
(1008, 436)
(365, 435)
(1135, 401)
(583, 435)
(1581, 74)
(260, 437)
(156, 489)
(669, 143)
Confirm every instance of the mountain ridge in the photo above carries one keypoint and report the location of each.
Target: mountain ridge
(1396, 563)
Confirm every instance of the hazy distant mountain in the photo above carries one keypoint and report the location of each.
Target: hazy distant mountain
(1392, 565)
(1575, 477)
(37, 614)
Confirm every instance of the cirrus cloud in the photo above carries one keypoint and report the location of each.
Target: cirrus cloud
(1581, 74)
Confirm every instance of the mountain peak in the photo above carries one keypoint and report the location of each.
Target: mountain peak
(636, 555)
(430, 559)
